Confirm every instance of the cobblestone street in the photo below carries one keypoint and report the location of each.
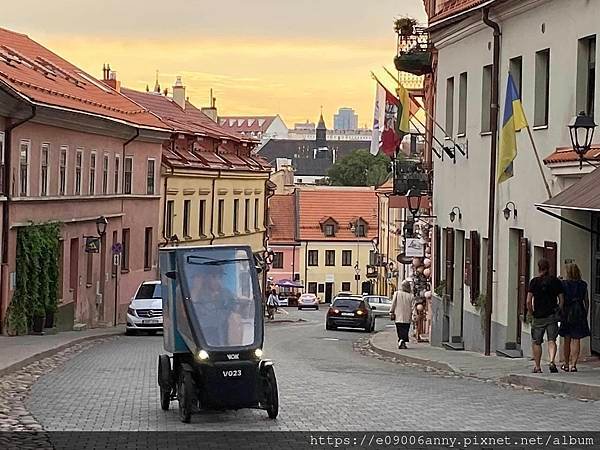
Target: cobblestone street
(324, 384)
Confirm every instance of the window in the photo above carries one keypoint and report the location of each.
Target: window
(329, 230)
(89, 275)
(62, 172)
(105, 175)
(247, 215)
(515, 66)
(486, 100)
(187, 206)
(92, 180)
(345, 286)
(330, 257)
(44, 161)
(202, 218)
(236, 213)
(278, 260)
(169, 219)
(256, 213)
(24, 167)
(313, 257)
(116, 174)
(542, 88)
(361, 230)
(150, 178)
(127, 177)
(346, 257)
(321, 288)
(586, 75)
(462, 104)
(450, 107)
(125, 254)
(220, 213)
(148, 248)
(78, 164)
(312, 287)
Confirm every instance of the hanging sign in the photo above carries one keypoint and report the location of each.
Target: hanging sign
(414, 248)
(92, 244)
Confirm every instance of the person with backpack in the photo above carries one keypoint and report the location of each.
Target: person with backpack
(574, 322)
(272, 304)
(545, 300)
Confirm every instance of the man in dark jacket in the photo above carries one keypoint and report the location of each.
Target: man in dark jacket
(544, 301)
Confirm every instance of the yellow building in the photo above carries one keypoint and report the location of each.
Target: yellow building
(214, 191)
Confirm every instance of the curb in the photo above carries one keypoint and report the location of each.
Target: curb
(582, 391)
(53, 351)
(412, 359)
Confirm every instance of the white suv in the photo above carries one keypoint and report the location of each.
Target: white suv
(145, 311)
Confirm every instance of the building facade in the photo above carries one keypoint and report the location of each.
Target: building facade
(256, 127)
(554, 69)
(345, 119)
(74, 150)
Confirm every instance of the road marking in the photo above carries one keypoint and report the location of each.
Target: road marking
(330, 339)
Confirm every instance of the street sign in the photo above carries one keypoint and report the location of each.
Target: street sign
(116, 259)
(357, 277)
(92, 244)
(117, 248)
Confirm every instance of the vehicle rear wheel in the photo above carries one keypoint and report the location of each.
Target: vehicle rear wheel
(328, 326)
(165, 381)
(130, 332)
(272, 393)
(185, 396)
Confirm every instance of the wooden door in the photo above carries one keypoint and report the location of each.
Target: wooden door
(523, 280)
(475, 269)
(595, 282)
(450, 263)
(551, 254)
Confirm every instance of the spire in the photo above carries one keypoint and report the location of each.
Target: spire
(321, 125)
(321, 136)
(157, 84)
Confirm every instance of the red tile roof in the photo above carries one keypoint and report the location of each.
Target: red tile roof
(241, 124)
(448, 8)
(45, 78)
(341, 204)
(282, 218)
(567, 154)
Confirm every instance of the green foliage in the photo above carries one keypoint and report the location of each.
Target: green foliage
(440, 290)
(36, 292)
(360, 168)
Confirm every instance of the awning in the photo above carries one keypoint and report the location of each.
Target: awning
(584, 195)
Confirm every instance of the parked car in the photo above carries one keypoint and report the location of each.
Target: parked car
(145, 311)
(350, 312)
(379, 304)
(308, 301)
(283, 301)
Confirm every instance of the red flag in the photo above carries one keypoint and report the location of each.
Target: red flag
(390, 140)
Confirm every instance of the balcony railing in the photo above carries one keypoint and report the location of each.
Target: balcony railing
(408, 175)
(414, 51)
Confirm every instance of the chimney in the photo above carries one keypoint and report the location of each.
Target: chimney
(211, 111)
(179, 93)
(110, 78)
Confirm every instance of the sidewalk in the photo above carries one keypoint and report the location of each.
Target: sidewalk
(18, 351)
(584, 384)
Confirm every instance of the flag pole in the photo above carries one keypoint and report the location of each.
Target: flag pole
(537, 157)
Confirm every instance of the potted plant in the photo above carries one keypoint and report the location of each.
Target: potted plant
(405, 26)
(416, 61)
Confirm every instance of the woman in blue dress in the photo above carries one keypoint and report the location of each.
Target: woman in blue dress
(574, 324)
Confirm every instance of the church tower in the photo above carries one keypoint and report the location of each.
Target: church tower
(321, 132)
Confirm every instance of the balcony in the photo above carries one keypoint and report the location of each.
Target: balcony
(410, 174)
(415, 54)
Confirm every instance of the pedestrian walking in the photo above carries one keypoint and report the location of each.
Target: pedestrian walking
(544, 301)
(272, 304)
(574, 321)
(401, 312)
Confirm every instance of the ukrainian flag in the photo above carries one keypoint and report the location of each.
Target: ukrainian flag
(514, 120)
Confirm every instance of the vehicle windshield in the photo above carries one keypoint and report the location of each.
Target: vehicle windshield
(347, 303)
(149, 291)
(385, 300)
(222, 296)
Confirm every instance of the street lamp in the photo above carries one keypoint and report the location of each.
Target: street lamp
(101, 223)
(453, 214)
(582, 129)
(413, 198)
(506, 211)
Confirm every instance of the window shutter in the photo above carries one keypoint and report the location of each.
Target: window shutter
(551, 254)
(450, 262)
(437, 255)
(468, 262)
(523, 269)
(475, 243)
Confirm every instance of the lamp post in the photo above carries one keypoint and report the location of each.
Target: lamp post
(355, 229)
(506, 211)
(582, 129)
(453, 214)
(413, 199)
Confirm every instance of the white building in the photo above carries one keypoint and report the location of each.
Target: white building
(260, 127)
(549, 46)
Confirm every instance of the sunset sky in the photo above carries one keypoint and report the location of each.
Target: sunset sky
(261, 57)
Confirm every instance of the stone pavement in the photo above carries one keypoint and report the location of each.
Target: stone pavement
(19, 351)
(584, 384)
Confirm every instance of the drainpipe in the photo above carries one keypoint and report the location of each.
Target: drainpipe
(6, 205)
(492, 193)
(212, 208)
(266, 223)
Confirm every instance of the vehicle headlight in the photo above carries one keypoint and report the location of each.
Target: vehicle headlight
(359, 313)
(202, 355)
(258, 353)
(131, 311)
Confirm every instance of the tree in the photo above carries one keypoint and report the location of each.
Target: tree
(360, 168)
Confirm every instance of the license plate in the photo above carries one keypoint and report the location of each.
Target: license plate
(151, 321)
(348, 314)
(236, 373)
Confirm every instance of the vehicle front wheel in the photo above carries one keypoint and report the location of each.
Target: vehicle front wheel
(165, 381)
(272, 393)
(185, 396)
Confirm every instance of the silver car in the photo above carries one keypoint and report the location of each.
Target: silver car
(380, 304)
(145, 312)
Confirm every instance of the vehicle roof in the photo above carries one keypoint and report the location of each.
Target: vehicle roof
(358, 299)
